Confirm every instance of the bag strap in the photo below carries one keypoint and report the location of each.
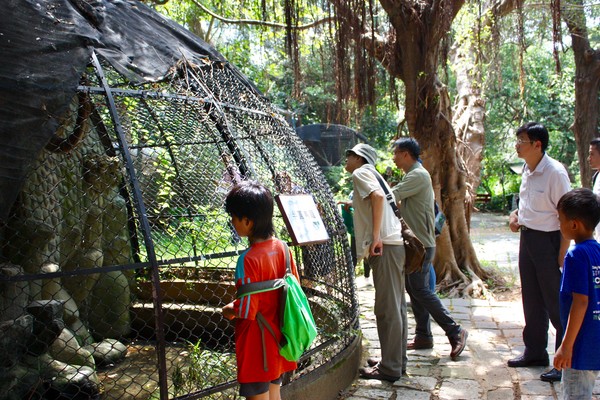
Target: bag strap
(259, 287)
(262, 324)
(284, 294)
(389, 197)
(265, 286)
(288, 267)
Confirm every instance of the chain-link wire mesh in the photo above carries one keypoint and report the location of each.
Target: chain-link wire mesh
(121, 255)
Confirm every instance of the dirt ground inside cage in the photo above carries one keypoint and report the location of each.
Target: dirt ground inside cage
(136, 377)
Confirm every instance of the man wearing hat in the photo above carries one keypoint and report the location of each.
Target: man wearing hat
(378, 238)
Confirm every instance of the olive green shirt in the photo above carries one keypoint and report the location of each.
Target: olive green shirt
(415, 194)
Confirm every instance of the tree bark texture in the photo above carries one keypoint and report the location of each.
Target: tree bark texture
(469, 106)
(587, 86)
(469, 116)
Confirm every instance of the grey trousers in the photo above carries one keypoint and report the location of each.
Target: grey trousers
(390, 308)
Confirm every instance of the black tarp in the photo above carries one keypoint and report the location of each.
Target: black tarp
(45, 45)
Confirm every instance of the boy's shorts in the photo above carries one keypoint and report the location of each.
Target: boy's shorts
(256, 388)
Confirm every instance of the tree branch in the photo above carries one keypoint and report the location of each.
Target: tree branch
(276, 25)
(378, 47)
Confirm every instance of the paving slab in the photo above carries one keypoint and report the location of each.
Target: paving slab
(495, 336)
(421, 371)
(460, 389)
(372, 393)
(490, 325)
(408, 394)
(494, 378)
(422, 383)
(536, 387)
(501, 394)
(461, 372)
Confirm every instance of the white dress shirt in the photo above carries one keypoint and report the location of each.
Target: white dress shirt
(596, 190)
(539, 194)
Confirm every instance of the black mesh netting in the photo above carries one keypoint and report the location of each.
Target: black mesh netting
(126, 201)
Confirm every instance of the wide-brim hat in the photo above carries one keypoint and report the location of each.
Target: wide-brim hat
(365, 151)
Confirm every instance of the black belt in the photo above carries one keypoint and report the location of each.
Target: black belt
(524, 228)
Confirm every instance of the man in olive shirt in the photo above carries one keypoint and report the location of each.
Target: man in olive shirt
(415, 192)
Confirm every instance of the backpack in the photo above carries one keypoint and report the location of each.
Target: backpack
(297, 324)
(439, 218)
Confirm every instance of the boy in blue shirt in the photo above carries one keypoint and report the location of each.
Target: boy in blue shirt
(578, 214)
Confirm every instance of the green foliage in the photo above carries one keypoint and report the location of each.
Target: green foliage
(259, 52)
(549, 99)
(380, 127)
(501, 278)
(339, 181)
(203, 368)
(182, 236)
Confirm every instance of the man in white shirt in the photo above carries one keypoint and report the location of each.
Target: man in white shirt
(594, 160)
(542, 247)
(379, 238)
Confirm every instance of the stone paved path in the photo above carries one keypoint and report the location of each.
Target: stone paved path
(494, 337)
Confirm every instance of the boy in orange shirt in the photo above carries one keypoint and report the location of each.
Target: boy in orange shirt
(259, 369)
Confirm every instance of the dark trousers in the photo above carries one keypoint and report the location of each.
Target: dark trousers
(540, 286)
(425, 302)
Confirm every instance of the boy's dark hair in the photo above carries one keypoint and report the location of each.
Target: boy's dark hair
(582, 205)
(254, 201)
(535, 131)
(596, 143)
(410, 145)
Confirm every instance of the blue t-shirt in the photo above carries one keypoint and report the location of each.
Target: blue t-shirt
(581, 274)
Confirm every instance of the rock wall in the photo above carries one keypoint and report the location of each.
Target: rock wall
(70, 217)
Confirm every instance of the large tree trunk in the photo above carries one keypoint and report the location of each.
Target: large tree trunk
(430, 124)
(469, 117)
(428, 117)
(419, 30)
(469, 107)
(587, 85)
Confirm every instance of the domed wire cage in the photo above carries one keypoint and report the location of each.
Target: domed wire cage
(118, 252)
(137, 207)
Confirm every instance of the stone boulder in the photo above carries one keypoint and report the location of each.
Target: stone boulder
(109, 317)
(14, 295)
(67, 349)
(107, 352)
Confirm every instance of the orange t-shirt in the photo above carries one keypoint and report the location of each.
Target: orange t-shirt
(261, 262)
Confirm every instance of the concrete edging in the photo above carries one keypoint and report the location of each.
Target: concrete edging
(327, 381)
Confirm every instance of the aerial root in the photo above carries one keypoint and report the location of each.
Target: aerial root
(475, 289)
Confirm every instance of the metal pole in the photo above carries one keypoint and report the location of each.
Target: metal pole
(145, 228)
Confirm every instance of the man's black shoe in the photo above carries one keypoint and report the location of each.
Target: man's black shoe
(524, 361)
(553, 375)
